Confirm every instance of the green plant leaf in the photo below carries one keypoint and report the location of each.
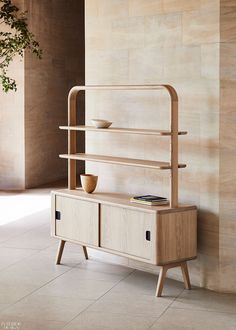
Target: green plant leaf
(15, 42)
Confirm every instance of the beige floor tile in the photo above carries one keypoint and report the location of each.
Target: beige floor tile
(69, 248)
(184, 319)
(145, 283)
(9, 256)
(23, 220)
(40, 259)
(106, 267)
(3, 306)
(95, 270)
(36, 307)
(11, 293)
(70, 258)
(130, 304)
(33, 220)
(64, 286)
(37, 238)
(206, 300)
(47, 260)
(32, 272)
(10, 231)
(15, 229)
(106, 321)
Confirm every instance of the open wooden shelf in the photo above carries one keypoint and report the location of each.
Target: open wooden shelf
(121, 161)
(172, 132)
(122, 130)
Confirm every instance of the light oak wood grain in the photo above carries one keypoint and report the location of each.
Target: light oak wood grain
(161, 279)
(122, 130)
(118, 199)
(60, 251)
(53, 213)
(121, 161)
(174, 184)
(118, 87)
(79, 220)
(72, 120)
(185, 273)
(120, 227)
(109, 251)
(177, 236)
(124, 231)
(163, 272)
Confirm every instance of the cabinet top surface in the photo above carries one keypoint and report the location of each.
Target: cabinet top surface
(117, 199)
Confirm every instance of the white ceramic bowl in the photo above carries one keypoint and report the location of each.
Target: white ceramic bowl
(100, 123)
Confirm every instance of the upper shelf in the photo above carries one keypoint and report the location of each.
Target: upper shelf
(121, 87)
(121, 161)
(122, 130)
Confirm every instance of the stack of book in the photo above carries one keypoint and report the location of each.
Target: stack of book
(150, 200)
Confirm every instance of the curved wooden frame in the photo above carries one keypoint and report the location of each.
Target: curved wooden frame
(72, 120)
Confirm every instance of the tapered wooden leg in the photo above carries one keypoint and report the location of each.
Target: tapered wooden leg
(85, 252)
(161, 279)
(184, 268)
(60, 251)
(162, 276)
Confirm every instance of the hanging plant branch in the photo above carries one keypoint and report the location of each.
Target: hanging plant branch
(14, 42)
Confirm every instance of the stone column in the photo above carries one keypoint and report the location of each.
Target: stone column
(30, 137)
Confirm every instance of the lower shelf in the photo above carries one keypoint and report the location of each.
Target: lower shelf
(121, 161)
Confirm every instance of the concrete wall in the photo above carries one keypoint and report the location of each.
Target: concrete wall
(12, 149)
(228, 146)
(59, 25)
(174, 42)
(30, 145)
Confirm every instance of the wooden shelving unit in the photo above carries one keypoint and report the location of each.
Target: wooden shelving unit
(72, 122)
(92, 220)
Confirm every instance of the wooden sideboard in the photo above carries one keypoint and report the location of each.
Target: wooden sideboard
(160, 235)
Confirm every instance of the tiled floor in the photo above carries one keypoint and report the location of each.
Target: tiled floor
(35, 294)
